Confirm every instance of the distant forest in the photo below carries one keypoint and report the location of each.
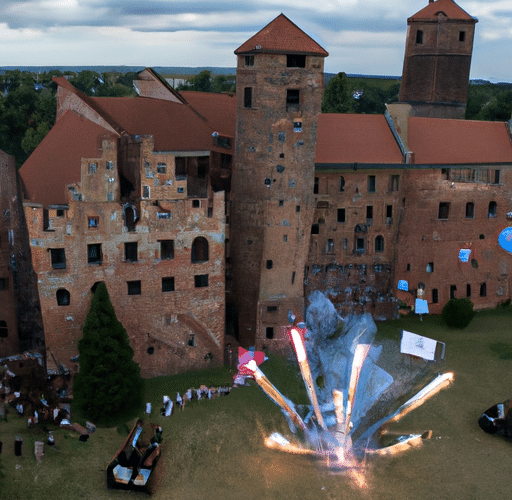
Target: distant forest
(28, 102)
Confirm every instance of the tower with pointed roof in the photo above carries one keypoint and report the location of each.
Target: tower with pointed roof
(279, 92)
(437, 60)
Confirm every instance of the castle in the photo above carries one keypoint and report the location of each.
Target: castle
(207, 213)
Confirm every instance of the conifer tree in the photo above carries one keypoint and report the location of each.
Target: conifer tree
(109, 380)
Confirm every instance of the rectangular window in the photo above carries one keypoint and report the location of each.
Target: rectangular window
(161, 168)
(249, 61)
(444, 210)
(389, 214)
(146, 191)
(201, 280)
(248, 97)
(419, 37)
(93, 222)
(330, 246)
(435, 296)
(297, 126)
(130, 251)
(285, 238)
(371, 184)
(58, 258)
(296, 61)
(468, 290)
(470, 210)
(315, 186)
(93, 167)
(462, 36)
(269, 332)
(271, 309)
(292, 99)
(360, 245)
(94, 253)
(483, 289)
(166, 249)
(168, 284)
(430, 267)
(341, 215)
(134, 287)
(4, 283)
(110, 165)
(369, 214)
(393, 182)
(453, 289)
(496, 177)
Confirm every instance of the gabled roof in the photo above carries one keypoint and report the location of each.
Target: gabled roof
(442, 141)
(283, 37)
(353, 138)
(218, 109)
(56, 162)
(448, 7)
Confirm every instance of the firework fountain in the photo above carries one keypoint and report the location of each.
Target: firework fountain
(354, 394)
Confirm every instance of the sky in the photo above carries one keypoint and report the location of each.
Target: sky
(362, 36)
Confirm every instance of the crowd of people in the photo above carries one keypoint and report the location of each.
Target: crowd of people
(201, 394)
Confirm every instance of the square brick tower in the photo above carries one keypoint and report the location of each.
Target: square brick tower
(437, 60)
(279, 92)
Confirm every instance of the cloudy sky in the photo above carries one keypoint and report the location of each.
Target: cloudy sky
(361, 36)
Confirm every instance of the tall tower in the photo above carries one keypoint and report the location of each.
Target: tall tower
(279, 90)
(437, 60)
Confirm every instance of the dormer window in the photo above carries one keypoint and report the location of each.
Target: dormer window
(296, 61)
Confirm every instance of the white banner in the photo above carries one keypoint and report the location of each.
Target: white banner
(416, 345)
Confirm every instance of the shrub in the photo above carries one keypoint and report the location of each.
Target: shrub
(458, 313)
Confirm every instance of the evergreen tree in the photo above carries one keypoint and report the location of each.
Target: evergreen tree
(109, 380)
(338, 96)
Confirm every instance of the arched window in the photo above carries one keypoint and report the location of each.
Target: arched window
(63, 297)
(493, 209)
(379, 243)
(199, 250)
(130, 217)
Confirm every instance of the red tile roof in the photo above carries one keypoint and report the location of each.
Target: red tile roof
(448, 7)
(442, 141)
(281, 36)
(351, 138)
(56, 162)
(219, 109)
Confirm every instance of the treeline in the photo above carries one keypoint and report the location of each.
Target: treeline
(28, 101)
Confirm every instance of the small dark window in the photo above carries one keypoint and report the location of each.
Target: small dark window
(341, 215)
(394, 182)
(330, 246)
(58, 258)
(430, 267)
(199, 250)
(249, 60)
(435, 296)
(292, 100)
(94, 253)
(3, 329)
(270, 264)
(146, 192)
(285, 238)
(444, 210)
(281, 203)
(379, 243)
(93, 167)
(419, 37)
(360, 245)
(4, 283)
(201, 280)
(293, 277)
(296, 61)
(63, 297)
(408, 268)
(271, 309)
(166, 249)
(109, 165)
(134, 287)
(161, 168)
(297, 208)
(93, 222)
(369, 214)
(315, 229)
(483, 289)
(315, 186)
(371, 184)
(468, 290)
(462, 36)
(269, 332)
(342, 183)
(470, 210)
(389, 214)
(496, 177)
(130, 251)
(191, 340)
(453, 289)
(493, 209)
(248, 97)
(168, 284)
(150, 350)
(196, 203)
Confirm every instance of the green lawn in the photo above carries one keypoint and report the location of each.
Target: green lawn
(214, 449)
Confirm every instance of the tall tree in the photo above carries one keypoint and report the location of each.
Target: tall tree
(109, 380)
(338, 96)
